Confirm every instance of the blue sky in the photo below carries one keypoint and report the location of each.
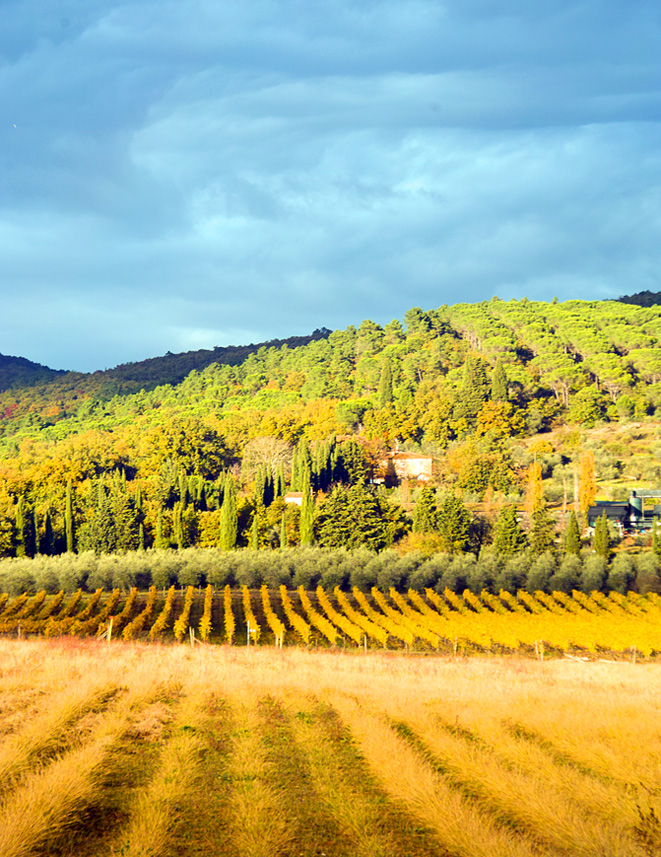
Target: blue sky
(178, 175)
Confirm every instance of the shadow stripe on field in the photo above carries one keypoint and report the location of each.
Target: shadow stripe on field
(391, 830)
(314, 830)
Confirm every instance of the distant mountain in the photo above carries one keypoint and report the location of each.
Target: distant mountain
(645, 298)
(147, 374)
(173, 368)
(19, 372)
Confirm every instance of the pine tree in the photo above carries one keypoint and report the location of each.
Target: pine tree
(508, 536)
(602, 541)
(573, 536)
(68, 518)
(385, 384)
(498, 383)
(228, 518)
(425, 515)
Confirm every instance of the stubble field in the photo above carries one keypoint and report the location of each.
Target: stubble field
(136, 749)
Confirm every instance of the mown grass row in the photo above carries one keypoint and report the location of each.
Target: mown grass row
(195, 753)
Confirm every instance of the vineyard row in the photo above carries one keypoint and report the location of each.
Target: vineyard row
(426, 621)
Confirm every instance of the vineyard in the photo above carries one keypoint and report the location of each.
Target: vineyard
(578, 625)
(166, 750)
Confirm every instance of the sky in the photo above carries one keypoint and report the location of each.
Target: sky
(181, 174)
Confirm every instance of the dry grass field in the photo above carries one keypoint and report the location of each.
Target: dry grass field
(169, 751)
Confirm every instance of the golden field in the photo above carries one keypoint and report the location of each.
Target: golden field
(154, 750)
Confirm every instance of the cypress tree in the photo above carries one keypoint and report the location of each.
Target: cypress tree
(260, 486)
(508, 536)
(228, 518)
(602, 541)
(159, 541)
(283, 533)
(573, 536)
(183, 490)
(280, 484)
(294, 471)
(307, 516)
(385, 384)
(35, 532)
(47, 543)
(178, 526)
(498, 383)
(20, 527)
(254, 533)
(474, 390)
(68, 518)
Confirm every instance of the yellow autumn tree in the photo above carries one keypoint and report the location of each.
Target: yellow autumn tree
(587, 482)
(534, 489)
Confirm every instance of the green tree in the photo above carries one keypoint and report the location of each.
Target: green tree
(354, 517)
(68, 518)
(385, 384)
(542, 532)
(454, 522)
(20, 527)
(573, 536)
(474, 390)
(508, 536)
(498, 383)
(307, 517)
(228, 517)
(425, 515)
(602, 540)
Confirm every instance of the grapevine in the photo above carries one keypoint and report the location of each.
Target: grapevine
(319, 622)
(135, 627)
(296, 621)
(205, 621)
(346, 625)
(274, 623)
(230, 624)
(359, 619)
(251, 622)
(181, 624)
(163, 618)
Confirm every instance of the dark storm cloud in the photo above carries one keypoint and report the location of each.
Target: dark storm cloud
(182, 174)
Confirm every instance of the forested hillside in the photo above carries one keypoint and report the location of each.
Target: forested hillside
(91, 462)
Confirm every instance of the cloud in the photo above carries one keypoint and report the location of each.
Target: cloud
(194, 172)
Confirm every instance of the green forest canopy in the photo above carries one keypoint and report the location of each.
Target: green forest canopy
(91, 460)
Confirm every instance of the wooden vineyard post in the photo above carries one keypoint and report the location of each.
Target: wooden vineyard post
(112, 618)
(191, 634)
(633, 654)
(365, 642)
(247, 633)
